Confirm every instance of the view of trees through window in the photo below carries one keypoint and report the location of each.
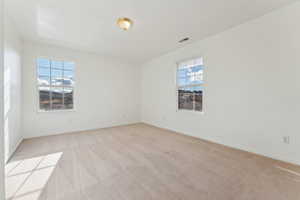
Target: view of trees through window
(190, 85)
(55, 84)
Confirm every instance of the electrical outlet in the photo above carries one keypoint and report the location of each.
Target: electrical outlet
(286, 139)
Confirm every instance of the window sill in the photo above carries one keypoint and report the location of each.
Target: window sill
(56, 111)
(190, 111)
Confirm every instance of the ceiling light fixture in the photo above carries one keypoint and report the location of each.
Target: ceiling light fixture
(124, 23)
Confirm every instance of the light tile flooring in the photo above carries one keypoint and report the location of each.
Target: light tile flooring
(141, 162)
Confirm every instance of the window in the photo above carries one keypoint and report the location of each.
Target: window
(190, 85)
(55, 84)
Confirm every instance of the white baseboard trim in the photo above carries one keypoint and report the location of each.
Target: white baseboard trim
(84, 129)
(251, 151)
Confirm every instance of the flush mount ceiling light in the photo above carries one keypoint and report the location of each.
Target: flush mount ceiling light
(124, 23)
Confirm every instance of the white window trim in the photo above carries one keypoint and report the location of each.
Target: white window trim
(191, 85)
(37, 86)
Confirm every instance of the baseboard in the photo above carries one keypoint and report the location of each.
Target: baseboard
(82, 130)
(227, 145)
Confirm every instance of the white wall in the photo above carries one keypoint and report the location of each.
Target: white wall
(252, 87)
(12, 88)
(2, 191)
(106, 93)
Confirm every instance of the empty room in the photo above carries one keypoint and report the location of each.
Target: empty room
(149, 100)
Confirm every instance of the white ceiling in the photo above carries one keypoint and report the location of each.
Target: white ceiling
(90, 25)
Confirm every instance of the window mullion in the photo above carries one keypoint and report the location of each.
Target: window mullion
(194, 101)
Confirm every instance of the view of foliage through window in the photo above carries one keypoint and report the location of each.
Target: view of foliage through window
(55, 84)
(190, 85)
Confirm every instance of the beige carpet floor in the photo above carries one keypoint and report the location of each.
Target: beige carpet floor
(141, 162)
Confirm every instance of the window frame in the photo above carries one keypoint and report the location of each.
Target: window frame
(191, 85)
(38, 85)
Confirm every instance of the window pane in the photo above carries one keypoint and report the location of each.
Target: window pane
(56, 73)
(198, 100)
(57, 98)
(42, 71)
(56, 77)
(57, 64)
(43, 62)
(69, 66)
(190, 98)
(68, 78)
(185, 99)
(44, 80)
(190, 75)
(67, 82)
(68, 74)
(68, 98)
(44, 96)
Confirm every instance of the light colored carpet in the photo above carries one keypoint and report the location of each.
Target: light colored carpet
(141, 162)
